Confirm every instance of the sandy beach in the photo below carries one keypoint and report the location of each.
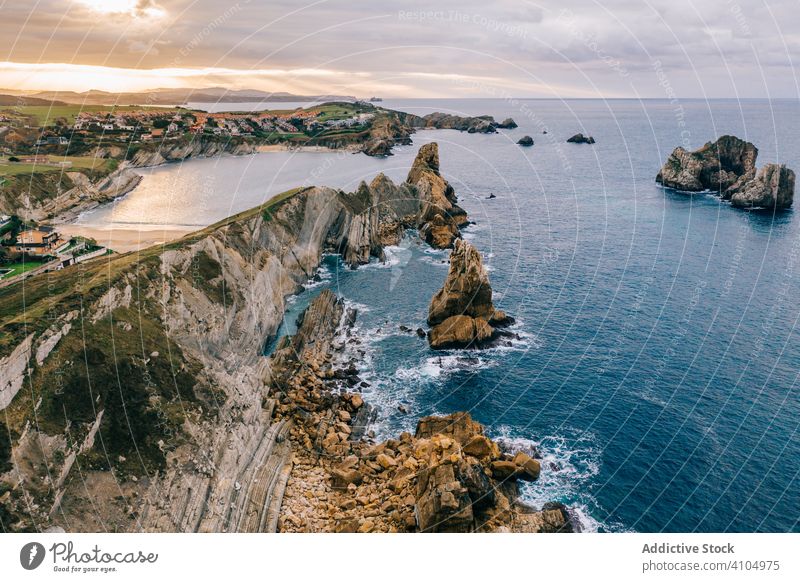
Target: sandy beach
(123, 239)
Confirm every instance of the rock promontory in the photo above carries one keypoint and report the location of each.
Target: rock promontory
(727, 166)
(462, 314)
(440, 215)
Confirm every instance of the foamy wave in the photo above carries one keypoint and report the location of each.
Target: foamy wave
(568, 465)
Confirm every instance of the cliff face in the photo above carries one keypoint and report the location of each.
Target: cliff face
(181, 327)
(728, 167)
(158, 356)
(186, 149)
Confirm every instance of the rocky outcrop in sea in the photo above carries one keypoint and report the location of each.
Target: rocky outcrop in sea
(580, 138)
(462, 314)
(526, 141)
(440, 216)
(728, 168)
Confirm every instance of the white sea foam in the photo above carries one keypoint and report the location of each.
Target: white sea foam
(568, 465)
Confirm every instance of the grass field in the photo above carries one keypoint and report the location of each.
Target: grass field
(45, 115)
(19, 268)
(78, 163)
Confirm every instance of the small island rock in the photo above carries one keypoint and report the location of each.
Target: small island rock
(580, 138)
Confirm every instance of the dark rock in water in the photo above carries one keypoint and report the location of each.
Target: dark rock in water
(580, 138)
(402, 409)
(728, 167)
(569, 525)
(405, 329)
(420, 332)
(507, 123)
(544, 131)
(380, 148)
(491, 196)
(526, 141)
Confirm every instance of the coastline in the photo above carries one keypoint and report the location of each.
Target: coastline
(208, 301)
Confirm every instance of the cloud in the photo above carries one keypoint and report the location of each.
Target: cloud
(572, 46)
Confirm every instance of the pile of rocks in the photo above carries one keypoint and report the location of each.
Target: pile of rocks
(448, 476)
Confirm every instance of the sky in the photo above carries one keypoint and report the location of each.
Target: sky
(467, 48)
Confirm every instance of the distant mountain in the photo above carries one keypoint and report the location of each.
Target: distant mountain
(15, 100)
(174, 96)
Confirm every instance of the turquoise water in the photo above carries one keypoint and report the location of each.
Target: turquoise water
(656, 369)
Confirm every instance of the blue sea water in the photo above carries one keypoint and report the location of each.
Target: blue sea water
(657, 361)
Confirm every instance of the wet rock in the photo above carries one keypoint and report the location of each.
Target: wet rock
(580, 138)
(525, 141)
(529, 468)
(507, 123)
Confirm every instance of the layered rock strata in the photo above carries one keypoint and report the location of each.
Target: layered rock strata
(209, 435)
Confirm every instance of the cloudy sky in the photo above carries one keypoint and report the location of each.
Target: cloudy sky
(466, 48)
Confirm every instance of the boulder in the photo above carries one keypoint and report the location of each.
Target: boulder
(580, 138)
(443, 503)
(502, 470)
(458, 425)
(460, 331)
(481, 447)
(343, 476)
(526, 141)
(528, 468)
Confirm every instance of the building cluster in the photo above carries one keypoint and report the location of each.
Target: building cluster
(45, 243)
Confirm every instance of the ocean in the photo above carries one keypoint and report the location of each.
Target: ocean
(656, 364)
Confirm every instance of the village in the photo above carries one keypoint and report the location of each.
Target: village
(72, 130)
(28, 248)
(37, 140)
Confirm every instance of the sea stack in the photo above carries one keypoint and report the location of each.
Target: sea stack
(440, 215)
(461, 314)
(728, 167)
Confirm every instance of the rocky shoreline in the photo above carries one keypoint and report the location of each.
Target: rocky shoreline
(220, 438)
(446, 477)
